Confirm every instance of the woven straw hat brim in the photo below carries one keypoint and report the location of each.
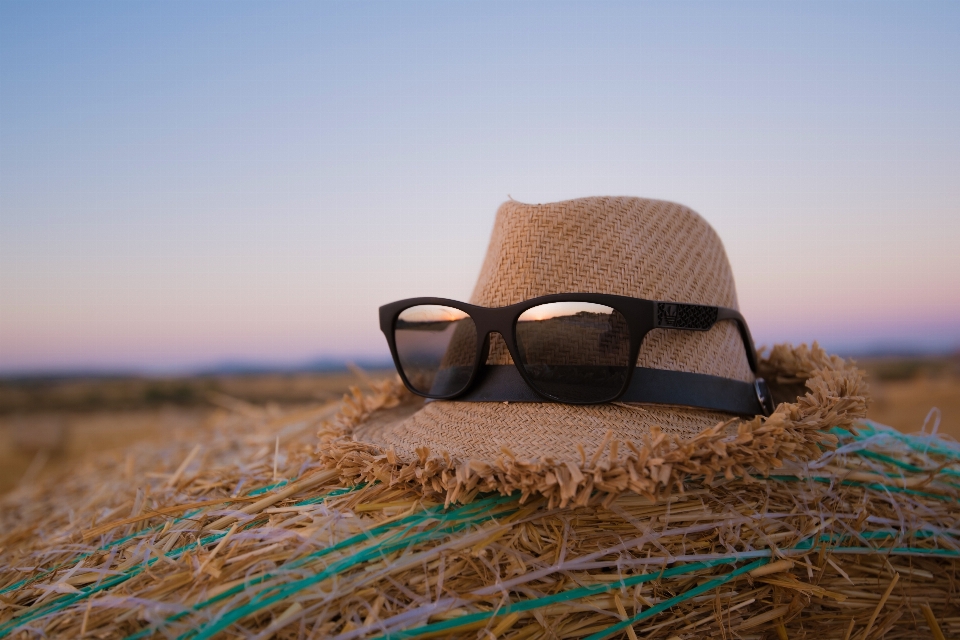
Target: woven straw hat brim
(366, 441)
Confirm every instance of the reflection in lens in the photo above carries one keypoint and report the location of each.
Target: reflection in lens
(575, 351)
(437, 347)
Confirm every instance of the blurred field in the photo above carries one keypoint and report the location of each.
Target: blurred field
(906, 389)
(47, 423)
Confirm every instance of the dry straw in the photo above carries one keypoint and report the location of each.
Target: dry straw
(194, 539)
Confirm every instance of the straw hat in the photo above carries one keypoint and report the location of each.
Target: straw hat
(615, 245)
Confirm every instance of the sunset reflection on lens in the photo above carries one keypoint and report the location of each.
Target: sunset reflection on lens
(575, 351)
(437, 348)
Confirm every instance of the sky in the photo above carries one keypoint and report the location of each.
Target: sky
(189, 184)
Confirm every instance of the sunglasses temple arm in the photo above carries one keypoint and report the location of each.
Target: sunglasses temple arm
(724, 313)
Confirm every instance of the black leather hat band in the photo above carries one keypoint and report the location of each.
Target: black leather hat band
(503, 383)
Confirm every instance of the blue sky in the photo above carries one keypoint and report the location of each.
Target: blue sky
(183, 184)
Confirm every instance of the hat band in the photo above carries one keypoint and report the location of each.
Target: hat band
(503, 383)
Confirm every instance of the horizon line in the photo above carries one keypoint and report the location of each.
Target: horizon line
(338, 364)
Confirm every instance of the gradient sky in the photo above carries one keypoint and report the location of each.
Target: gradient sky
(186, 183)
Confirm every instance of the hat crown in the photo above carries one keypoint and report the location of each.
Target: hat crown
(618, 245)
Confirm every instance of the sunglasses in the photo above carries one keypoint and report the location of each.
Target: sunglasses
(575, 348)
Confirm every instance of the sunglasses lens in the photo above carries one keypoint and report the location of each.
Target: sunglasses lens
(437, 348)
(575, 351)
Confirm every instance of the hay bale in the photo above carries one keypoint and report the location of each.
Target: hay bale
(237, 530)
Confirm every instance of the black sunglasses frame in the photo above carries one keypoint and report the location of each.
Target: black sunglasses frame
(642, 316)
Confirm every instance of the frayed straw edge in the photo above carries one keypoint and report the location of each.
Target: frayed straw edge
(837, 396)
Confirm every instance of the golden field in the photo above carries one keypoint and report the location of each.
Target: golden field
(47, 424)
